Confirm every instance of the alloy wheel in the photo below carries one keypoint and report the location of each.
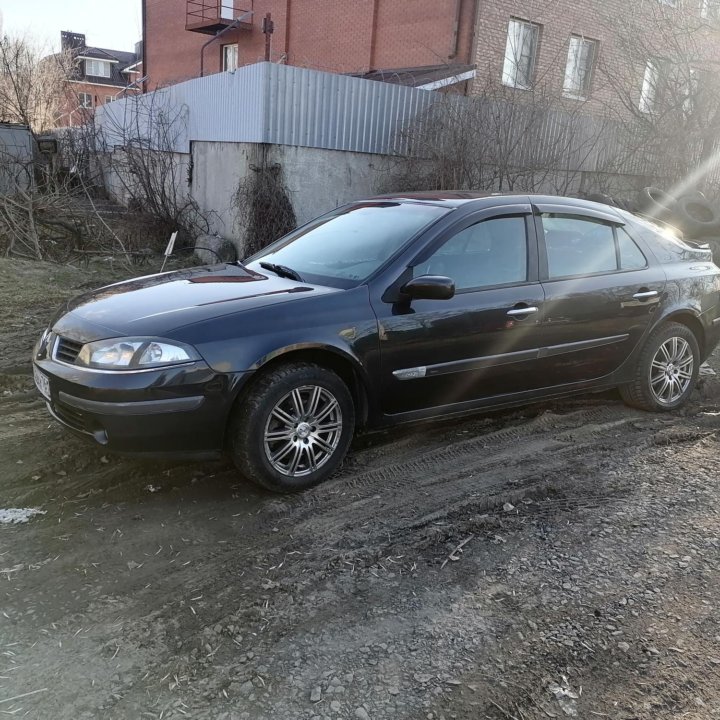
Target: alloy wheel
(671, 370)
(303, 431)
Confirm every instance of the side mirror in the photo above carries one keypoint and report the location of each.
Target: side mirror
(429, 287)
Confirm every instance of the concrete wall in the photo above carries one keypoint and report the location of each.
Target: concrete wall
(317, 180)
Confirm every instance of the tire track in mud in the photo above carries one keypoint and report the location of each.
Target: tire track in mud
(478, 476)
(359, 515)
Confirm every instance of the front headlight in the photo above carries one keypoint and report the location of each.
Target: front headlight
(134, 354)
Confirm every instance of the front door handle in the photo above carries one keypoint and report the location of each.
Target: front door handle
(644, 295)
(522, 311)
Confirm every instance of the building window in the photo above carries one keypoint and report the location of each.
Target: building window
(229, 57)
(108, 99)
(690, 89)
(710, 9)
(650, 92)
(579, 66)
(85, 101)
(520, 52)
(97, 68)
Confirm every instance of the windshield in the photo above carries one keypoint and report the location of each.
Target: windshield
(347, 245)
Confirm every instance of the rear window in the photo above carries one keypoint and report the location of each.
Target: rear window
(348, 245)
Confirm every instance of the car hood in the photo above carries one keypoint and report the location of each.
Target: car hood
(157, 304)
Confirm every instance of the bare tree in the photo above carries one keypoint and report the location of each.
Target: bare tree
(32, 87)
(663, 74)
(136, 142)
(500, 140)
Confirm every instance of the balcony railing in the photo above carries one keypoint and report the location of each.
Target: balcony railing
(212, 16)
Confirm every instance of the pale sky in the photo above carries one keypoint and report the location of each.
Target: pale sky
(114, 24)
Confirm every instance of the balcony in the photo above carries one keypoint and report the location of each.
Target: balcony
(212, 16)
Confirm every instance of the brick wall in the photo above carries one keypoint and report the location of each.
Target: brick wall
(334, 35)
(359, 35)
(72, 113)
(600, 20)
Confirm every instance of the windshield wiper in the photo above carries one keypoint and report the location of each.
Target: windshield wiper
(282, 271)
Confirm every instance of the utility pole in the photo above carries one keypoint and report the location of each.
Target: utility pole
(268, 27)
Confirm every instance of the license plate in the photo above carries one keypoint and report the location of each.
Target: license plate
(42, 383)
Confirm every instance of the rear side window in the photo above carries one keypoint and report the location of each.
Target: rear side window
(631, 257)
(578, 246)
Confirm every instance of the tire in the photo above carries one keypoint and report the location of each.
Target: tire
(695, 194)
(259, 435)
(697, 217)
(658, 204)
(600, 198)
(644, 391)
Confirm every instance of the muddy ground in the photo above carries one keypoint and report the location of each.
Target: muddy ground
(586, 585)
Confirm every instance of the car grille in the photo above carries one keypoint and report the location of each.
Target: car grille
(67, 350)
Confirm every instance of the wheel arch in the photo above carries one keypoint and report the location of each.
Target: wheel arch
(345, 365)
(692, 322)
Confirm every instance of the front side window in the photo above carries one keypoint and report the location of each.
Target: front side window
(578, 246)
(520, 52)
(85, 101)
(492, 252)
(578, 68)
(230, 57)
(348, 245)
(97, 68)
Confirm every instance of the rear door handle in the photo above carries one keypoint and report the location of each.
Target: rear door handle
(522, 311)
(645, 295)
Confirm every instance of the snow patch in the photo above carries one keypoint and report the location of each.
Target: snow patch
(14, 516)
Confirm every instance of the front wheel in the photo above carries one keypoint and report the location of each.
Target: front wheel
(292, 430)
(666, 371)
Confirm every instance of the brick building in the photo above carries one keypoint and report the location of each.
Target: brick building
(603, 51)
(343, 36)
(98, 76)
(561, 45)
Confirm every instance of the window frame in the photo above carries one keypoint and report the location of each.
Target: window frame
(586, 89)
(589, 216)
(81, 103)
(536, 29)
(99, 63)
(495, 213)
(650, 105)
(223, 56)
(710, 10)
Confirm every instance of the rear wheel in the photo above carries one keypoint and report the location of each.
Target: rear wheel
(666, 371)
(293, 429)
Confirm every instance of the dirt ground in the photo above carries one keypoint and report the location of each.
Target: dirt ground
(586, 585)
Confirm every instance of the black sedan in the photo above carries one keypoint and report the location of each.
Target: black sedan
(384, 311)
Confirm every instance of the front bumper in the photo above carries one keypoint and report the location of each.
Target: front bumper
(174, 411)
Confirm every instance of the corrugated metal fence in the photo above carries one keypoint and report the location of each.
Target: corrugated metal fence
(268, 103)
(285, 105)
